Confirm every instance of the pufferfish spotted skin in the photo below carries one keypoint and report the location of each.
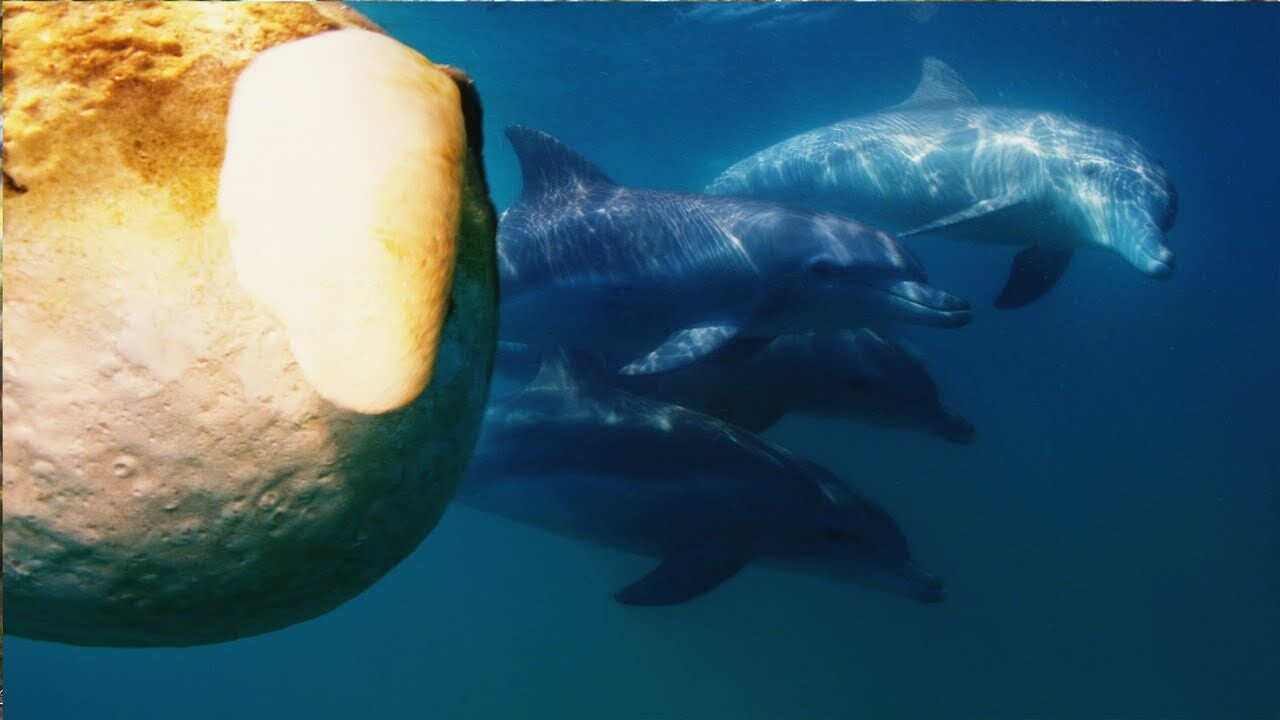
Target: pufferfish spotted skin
(244, 365)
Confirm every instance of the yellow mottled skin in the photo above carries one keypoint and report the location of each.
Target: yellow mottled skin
(171, 477)
(353, 247)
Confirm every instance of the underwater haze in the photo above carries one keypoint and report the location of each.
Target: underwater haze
(1109, 542)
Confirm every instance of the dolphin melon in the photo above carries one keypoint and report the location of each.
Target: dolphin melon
(231, 401)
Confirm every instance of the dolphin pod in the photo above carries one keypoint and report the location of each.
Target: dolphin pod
(673, 327)
(584, 459)
(939, 162)
(669, 277)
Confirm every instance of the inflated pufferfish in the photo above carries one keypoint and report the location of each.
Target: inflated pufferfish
(249, 313)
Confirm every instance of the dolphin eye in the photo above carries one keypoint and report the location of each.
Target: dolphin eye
(823, 267)
(858, 384)
(1091, 169)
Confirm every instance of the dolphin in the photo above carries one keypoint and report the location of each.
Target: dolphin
(940, 162)
(850, 375)
(855, 375)
(667, 277)
(586, 460)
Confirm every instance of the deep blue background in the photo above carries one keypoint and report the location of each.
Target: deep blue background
(1111, 544)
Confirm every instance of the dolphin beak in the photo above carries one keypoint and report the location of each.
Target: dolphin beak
(955, 428)
(927, 305)
(932, 592)
(1160, 265)
(1141, 243)
(341, 193)
(923, 586)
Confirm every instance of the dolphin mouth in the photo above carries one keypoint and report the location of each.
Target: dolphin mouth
(931, 592)
(925, 587)
(1160, 265)
(955, 428)
(928, 305)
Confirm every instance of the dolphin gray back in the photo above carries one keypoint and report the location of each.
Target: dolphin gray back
(573, 224)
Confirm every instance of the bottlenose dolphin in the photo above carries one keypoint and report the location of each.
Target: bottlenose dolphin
(940, 162)
(853, 375)
(588, 264)
(850, 375)
(586, 460)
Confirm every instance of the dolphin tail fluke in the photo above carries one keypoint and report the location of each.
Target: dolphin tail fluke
(1034, 272)
(686, 574)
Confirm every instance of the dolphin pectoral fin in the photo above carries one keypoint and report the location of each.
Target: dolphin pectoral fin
(685, 574)
(980, 209)
(681, 349)
(1034, 272)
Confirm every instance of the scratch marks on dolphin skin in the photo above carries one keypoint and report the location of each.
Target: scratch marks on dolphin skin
(917, 147)
(736, 242)
(868, 168)
(603, 248)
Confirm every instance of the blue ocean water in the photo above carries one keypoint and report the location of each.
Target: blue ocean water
(1110, 543)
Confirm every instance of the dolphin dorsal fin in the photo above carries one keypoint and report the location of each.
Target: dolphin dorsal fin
(939, 86)
(547, 164)
(554, 372)
(563, 369)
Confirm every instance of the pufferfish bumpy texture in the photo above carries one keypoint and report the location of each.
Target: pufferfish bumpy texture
(171, 474)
